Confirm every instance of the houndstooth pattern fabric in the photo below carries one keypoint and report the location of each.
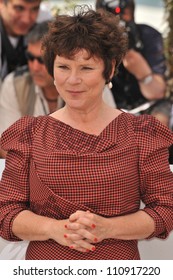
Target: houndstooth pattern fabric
(55, 170)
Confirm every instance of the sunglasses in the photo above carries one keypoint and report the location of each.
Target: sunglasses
(32, 57)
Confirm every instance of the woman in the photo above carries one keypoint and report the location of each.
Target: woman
(74, 180)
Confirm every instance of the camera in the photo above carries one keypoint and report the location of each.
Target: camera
(114, 6)
(117, 7)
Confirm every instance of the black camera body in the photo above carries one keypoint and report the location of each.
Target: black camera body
(117, 7)
(114, 6)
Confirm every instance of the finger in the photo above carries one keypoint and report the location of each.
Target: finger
(73, 217)
(79, 214)
(73, 237)
(86, 221)
(82, 231)
(87, 235)
(77, 248)
(84, 244)
(82, 234)
(74, 226)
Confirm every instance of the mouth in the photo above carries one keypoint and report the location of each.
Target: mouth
(37, 76)
(75, 92)
(24, 28)
(38, 79)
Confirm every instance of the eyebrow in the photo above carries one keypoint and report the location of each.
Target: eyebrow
(37, 7)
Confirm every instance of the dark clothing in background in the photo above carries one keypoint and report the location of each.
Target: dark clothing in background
(11, 57)
(126, 89)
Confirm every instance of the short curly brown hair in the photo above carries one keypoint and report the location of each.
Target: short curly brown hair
(98, 32)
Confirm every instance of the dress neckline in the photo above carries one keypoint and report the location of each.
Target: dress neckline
(83, 132)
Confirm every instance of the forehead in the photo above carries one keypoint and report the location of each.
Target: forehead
(81, 57)
(23, 2)
(35, 46)
(79, 54)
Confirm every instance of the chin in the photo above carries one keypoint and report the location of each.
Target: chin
(21, 31)
(39, 83)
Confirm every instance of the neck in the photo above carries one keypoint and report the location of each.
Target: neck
(83, 117)
(92, 122)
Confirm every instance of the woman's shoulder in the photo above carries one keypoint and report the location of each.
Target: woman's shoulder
(149, 124)
(20, 132)
(23, 124)
(150, 131)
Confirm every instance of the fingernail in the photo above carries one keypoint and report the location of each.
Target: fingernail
(93, 225)
(95, 239)
(93, 248)
(65, 235)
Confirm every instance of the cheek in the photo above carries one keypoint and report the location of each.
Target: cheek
(11, 19)
(29, 65)
(96, 81)
(59, 78)
(34, 17)
(48, 78)
(14, 16)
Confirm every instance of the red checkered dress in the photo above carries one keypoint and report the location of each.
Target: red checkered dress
(54, 170)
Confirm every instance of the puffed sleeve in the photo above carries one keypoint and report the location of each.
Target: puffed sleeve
(156, 178)
(14, 185)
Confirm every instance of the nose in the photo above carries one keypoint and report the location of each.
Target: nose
(27, 17)
(74, 77)
(35, 65)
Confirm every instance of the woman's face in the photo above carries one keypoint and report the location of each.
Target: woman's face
(79, 80)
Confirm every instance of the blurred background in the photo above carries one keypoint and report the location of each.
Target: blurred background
(156, 13)
(147, 11)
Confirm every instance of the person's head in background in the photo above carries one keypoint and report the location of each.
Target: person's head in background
(124, 8)
(19, 16)
(36, 65)
(87, 34)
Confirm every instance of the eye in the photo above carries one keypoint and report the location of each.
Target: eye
(62, 67)
(87, 68)
(19, 8)
(35, 9)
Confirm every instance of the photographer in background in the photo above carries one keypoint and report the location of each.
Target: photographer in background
(140, 82)
(17, 18)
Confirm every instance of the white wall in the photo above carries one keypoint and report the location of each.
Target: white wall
(154, 249)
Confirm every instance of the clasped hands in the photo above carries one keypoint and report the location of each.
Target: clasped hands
(84, 229)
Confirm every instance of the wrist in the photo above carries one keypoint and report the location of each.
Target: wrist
(48, 228)
(146, 79)
(112, 229)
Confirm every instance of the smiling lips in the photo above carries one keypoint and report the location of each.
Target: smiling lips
(73, 92)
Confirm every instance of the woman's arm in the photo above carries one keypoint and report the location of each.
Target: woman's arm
(30, 226)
